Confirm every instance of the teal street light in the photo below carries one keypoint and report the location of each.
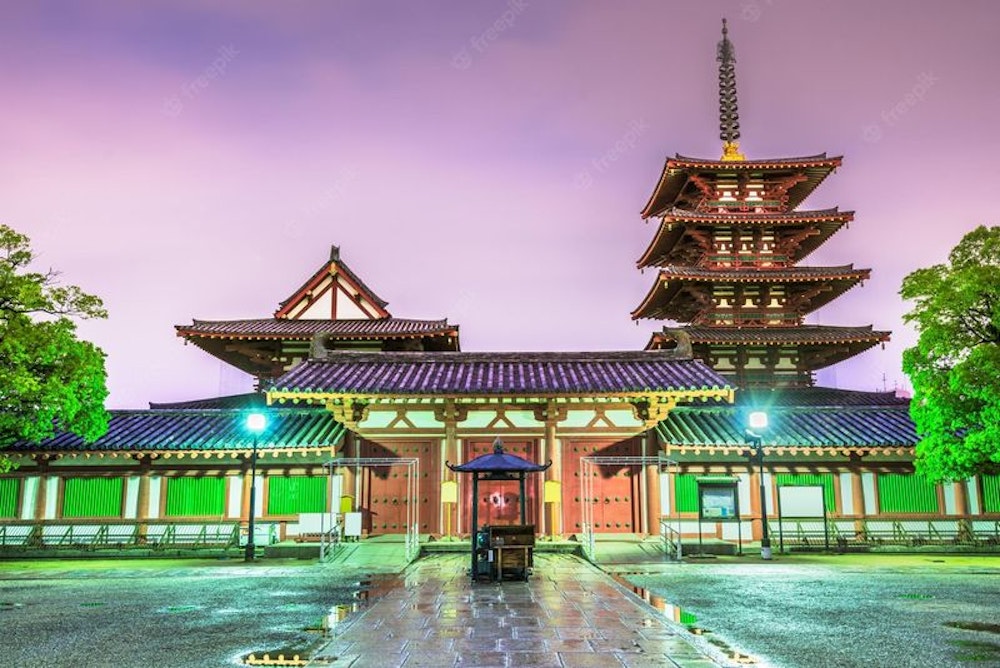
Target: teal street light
(256, 423)
(756, 426)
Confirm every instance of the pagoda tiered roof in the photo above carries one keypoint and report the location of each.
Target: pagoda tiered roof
(818, 346)
(676, 177)
(800, 334)
(678, 241)
(683, 293)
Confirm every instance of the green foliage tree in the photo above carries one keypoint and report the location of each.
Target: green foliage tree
(955, 366)
(49, 379)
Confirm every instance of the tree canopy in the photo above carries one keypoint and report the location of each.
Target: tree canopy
(49, 379)
(955, 366)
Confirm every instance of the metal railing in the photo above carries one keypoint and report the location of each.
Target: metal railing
(588, 540)
(671, 536)
(118, 534)
(331, 539)
(412, 541)
(845, 533)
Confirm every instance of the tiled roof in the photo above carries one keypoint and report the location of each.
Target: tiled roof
(454, 373)
(681, 293)
(185, 430)
(739, 218)
(734, 165)
(755, 275)
(249, 400)
(778, 335)
(817, 396)
(676, 240)
(873, 426)
(283, 328)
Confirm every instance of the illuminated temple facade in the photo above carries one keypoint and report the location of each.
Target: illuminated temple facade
(343, 379)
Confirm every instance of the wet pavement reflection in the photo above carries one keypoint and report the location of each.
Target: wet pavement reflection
(568, 614)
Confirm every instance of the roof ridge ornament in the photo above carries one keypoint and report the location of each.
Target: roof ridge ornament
(729, 117)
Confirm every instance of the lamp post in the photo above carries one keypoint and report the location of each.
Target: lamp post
(757, 423)
(256, 423)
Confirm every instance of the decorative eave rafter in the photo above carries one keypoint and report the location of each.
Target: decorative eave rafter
(680, 293)
(684, 237)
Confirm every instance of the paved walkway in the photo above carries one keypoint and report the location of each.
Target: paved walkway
(569, 615)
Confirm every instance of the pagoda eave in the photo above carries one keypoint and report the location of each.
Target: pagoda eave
(678, 170)
(687, 240)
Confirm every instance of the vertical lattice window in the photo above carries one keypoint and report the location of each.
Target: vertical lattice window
(92, 497)
(10, 492)
(991, 493)
(196, 497)
(686, 492)
(906, 493)
(290, 495)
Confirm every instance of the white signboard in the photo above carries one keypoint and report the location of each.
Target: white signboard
(804, 501)
(352, 524)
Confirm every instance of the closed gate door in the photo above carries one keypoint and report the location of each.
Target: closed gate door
(383, 498)
(612, 491)
(499, 501)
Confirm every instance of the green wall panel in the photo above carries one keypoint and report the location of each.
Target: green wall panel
(991, 493)
(290, 495)
(686, 494)
(10, 492)
(824, 479)
(92, 497)
(906, 493)
(196, 497)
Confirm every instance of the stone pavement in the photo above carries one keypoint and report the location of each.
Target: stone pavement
(569, 614)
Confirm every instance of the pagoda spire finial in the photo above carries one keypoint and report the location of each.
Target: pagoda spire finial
(729, 116)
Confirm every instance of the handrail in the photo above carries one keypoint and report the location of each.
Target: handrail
(672, 545)
(119, 534)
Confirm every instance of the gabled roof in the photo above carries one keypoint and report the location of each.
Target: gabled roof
(332, 268)
(198, 430)
(498, 374)
(677, 170)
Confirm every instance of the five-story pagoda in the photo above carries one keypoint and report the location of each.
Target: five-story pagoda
(728, 249)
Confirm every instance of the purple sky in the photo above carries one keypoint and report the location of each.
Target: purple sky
(483, 161)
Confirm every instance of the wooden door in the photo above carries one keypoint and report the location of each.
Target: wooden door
(383, 498)
(613, 490)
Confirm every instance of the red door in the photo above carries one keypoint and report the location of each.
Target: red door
(611, 490)
(384, 499)
(499, 501)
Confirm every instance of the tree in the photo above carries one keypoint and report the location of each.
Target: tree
(955, 366)
(49, 379)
